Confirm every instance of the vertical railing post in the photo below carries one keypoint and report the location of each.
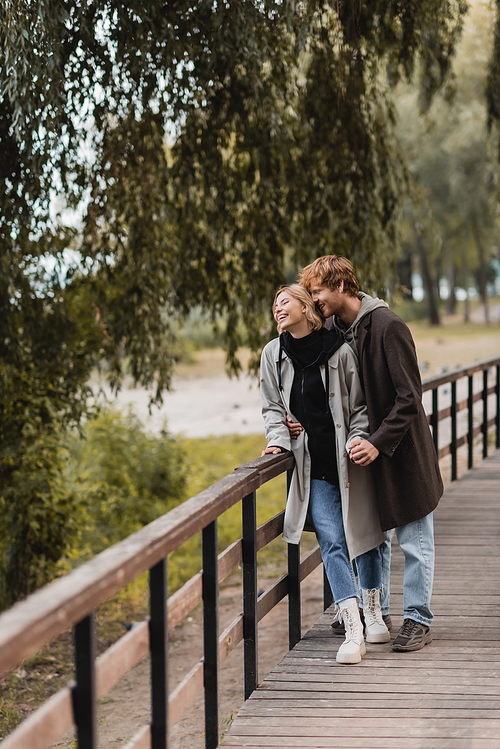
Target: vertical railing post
(294, 608)
(453, 430)
(84, 692)
(294, 612)
(435, 419)
(497, 413)
(158, 638)
(470, 425)
(211, 634)
(485, 413)
(249, 554)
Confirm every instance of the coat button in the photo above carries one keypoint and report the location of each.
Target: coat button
(331, 395)
(344, 455)
(338, 426)
(347, 486)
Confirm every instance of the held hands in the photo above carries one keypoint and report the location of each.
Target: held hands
(293, 427)
(362, 452)
(270, 451)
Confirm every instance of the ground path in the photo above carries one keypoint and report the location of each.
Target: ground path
(446, 696)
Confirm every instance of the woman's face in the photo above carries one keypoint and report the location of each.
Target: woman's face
(290, 313)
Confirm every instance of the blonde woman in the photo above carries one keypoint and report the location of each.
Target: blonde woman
(311, 374)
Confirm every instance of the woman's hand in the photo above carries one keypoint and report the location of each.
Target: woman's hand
(362, 452)
(294, 427)
(270, 451)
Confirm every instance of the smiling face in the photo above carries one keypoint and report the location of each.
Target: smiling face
(290, 314)
(328, 301)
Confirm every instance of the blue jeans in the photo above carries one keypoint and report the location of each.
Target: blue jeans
(385, 595)
(325, 509)
(416, 540)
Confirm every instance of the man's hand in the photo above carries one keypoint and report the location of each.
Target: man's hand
(270, 451)
(293, 427)
(362, 452)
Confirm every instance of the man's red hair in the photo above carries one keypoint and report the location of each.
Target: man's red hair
(330, 271)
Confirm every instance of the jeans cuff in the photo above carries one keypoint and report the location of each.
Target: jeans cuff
(418, 619)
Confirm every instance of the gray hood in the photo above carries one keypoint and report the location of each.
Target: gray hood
(368, 304)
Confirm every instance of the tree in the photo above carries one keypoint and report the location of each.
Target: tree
(124, 478)
(451, 161)
(190, 146)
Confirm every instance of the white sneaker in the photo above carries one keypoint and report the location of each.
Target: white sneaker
(353, 647)
(375, 628)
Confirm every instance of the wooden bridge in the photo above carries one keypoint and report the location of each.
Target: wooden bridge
(446, 696)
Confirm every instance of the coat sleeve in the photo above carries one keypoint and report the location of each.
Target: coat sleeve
(273, 409)
(400, 355)
(357, 417)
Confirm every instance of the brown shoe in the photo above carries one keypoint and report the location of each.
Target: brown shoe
(412, 636)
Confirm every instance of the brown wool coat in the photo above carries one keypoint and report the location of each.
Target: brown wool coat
(407, 478)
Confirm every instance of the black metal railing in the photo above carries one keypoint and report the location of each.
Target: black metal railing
(487, 394)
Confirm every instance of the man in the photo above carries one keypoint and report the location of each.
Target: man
(406, 472)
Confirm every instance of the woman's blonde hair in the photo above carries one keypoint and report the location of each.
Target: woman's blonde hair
(313, 317)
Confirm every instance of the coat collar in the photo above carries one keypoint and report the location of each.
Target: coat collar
(363, 330)
(332, 362)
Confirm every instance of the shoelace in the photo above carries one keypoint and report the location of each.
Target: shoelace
(349, 624)
(371, 612)
(408, 628)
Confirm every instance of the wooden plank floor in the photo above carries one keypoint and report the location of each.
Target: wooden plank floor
(446, 696)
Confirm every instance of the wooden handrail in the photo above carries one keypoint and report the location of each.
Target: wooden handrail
(456, 374)
(27, 625)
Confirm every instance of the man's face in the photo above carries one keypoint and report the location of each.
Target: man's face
(328, 301)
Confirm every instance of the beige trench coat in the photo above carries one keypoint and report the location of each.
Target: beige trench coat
(347, 405)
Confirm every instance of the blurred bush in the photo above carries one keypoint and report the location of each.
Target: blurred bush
(123, 478)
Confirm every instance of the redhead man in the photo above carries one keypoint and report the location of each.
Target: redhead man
(406, 472)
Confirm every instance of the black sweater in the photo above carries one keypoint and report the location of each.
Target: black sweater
(309, 401)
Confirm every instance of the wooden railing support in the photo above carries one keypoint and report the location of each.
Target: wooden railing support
(158, 638)
(211, 635)
(84, 692)
(453, 445)
(249, 553)
(294, 606)
(485, 413)
(470, 422)
(497, 407)
(435, 419)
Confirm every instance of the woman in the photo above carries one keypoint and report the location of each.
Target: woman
(311, 374)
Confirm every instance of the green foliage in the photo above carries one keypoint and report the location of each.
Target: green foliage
(452, 224)
(123, 478)
(281, 136)
(48, 343)
(493, 77)
(188, 147)
(39, 523)
(61, 505)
